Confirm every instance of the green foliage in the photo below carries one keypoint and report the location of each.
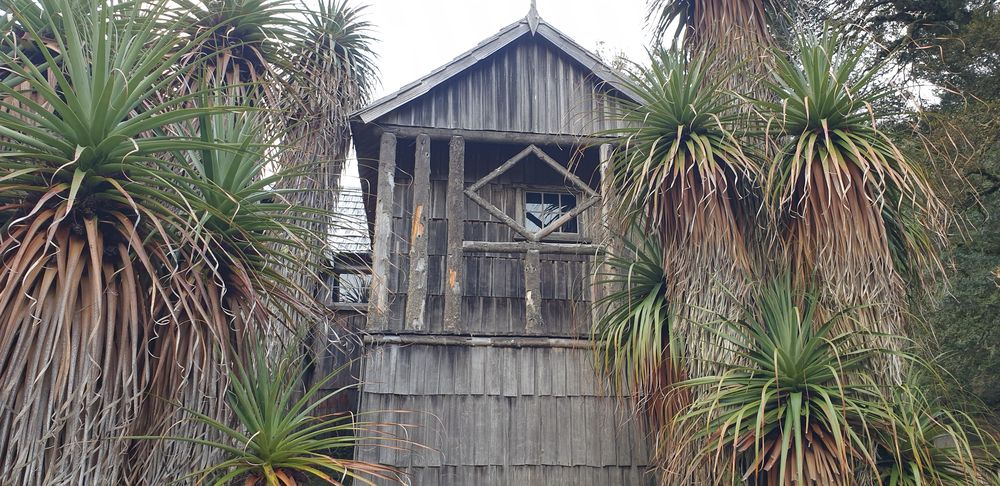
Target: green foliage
(679, 139)
(837, 169)
(148, 225)
(634, 327)
(953, 46)
(278, 440)
(801, 405)
(927, 443)
(795, 403)
(861, 207)
(961, 330)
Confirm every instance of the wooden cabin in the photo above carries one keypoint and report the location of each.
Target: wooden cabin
(483, 196)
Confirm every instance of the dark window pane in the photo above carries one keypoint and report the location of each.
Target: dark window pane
(533, 197)
(568, 202)
(551, 201)
(569, 226)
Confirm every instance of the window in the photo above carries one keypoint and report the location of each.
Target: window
(351, 288)
(542, 208)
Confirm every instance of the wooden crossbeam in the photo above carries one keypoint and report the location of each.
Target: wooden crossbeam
(526, 246)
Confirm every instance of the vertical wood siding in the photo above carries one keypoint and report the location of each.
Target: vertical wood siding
(530, 86)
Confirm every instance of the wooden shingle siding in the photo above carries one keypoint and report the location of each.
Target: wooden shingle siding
(495, 414)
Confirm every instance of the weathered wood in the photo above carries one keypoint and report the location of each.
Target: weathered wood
(455, 212)
(504, 167)
(607, 236)
(416, 293)
(533, 291)
(525, 246)
(492, 136)
(488, 338)
(496, 213)
(461, 63)
(563, 171)
(378, 316)
(493, 341)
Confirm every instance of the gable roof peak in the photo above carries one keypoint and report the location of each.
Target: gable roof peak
(533, 18)
(489, 46)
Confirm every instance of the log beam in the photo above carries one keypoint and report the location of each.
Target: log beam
(524, 247)
(378, 317)
(491, 136)
(455, 209)
(416, 292)
(533, 291)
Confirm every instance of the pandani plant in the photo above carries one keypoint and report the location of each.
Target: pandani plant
(819, 188)
(245, 231)
(141, 237)
(308, 69)
(923, 441)
(279, 437)
(795, 407)
(803, 406)
(638, 350)
(681, 176)
(89, 238)
(741, 34)
(852, 209)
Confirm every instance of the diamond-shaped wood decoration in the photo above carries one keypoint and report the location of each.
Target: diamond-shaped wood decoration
(592, 197)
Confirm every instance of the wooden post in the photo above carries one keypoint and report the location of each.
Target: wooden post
(606, 189)
(378, 316)
(416, 294)
(455, 207)
(607, 236)
(533, 291)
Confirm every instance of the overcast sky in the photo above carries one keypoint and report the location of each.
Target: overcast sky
(417, 36)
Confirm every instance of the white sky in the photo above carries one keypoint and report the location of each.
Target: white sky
(417, 36)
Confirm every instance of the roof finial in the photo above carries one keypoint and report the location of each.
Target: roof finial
(533, 17)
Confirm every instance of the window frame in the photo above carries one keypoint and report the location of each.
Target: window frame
(582, 233)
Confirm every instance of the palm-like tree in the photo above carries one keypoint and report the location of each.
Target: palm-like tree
(793, 406)
(816, 187)
(801, 406)
(304, 71)
(852, 210)
(91, 243)
(682, 177)
(142, 237)
(307, 70)
(277, 438)
(739, 33)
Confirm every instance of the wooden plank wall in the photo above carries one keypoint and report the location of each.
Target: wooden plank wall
(501, 415)
(502, 93)
(493, 286)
